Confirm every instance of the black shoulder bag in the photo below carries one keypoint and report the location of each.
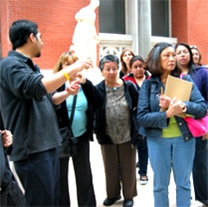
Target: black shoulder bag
(68, 144)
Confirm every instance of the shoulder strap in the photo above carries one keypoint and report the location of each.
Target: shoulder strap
(2, 161)
(149, 84)
(72, 111)
(182, 75)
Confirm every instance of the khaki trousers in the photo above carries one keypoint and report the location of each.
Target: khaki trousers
(119, 162)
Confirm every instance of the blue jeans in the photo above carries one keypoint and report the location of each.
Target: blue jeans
(176, 154)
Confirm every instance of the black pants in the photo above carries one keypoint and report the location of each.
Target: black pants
(39, 175)
(12, 197)
(200, 171)
(142, 156)
(83, 174)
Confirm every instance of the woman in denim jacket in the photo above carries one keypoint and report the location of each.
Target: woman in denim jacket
(170, 143)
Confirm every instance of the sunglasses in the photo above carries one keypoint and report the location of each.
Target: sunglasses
(193, 47)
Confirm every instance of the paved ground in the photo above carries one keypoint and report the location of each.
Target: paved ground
(145, 196)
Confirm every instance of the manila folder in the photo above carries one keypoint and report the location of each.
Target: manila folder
(179, 88)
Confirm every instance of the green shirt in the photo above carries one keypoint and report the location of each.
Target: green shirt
(172, 130)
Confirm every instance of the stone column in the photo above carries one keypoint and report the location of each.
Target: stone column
(131, 19)
(144, 27)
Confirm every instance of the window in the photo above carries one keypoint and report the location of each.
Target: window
(112, 16)
(160, 17)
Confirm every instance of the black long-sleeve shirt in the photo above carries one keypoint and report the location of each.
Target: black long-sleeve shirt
(28, 110)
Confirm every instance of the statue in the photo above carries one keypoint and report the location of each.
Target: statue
(85, 38)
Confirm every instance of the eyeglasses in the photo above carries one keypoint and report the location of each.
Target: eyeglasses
(193, 47)
(109, 69)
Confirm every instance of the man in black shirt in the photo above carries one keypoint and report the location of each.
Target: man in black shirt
(29, 113)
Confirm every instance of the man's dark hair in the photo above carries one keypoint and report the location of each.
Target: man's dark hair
(20, 31)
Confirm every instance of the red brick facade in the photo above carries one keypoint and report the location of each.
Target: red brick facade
(190, 24)
(56, 23)
(55, 20)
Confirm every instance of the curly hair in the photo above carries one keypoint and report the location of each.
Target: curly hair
(108, 58)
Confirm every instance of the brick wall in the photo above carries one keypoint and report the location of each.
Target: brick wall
(56, 23)
(55, 20)
(198, 26)
(189, 24)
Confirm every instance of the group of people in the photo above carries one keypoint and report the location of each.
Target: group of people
(123, 111)
(186, 60)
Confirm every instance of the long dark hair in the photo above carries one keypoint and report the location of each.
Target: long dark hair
(191, 65)
(200, 55)
(135, 58)
(123, 64)
(153, 60)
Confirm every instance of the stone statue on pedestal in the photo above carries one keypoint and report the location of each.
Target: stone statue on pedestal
(85, 38)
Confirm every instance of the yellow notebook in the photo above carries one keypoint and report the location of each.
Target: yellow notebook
(175, 87)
